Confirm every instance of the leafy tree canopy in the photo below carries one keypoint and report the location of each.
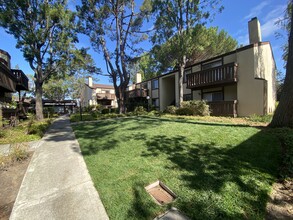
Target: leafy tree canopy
(203, 43)
(114, 28)
(46, 33)
(175, 20)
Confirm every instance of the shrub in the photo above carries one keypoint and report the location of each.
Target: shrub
(114, 110)
(184, 111)
(171, 109)
(286, 138)
(49, 111)
(197, 106)
(18, 152)
(2, 133)
(105, 111)
(139, 110)
(155, 113)
(38, 128)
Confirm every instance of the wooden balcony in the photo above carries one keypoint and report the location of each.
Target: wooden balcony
(223, 108)
(7, 80)
(21, 80)
(215, 76)
(105, 96)
(136, 93)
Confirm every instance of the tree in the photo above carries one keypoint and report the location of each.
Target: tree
(71, 85)
(283, 116)
(114, 29)
(285, 24)
(175, 19)
(146, 65)
(203, 42)
(56, 88)
(45, 32)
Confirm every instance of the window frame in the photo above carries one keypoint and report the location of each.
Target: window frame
(187, 95)
(157, 84)
(212, 92)
(212, 64)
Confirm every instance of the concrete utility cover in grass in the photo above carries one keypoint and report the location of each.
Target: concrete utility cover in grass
(160, 193)
(172, 214)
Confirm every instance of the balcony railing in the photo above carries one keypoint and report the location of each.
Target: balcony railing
(218, 75)
(136, 93)
(223, 108)
(109, 96)
(22, 80)
(7, 80)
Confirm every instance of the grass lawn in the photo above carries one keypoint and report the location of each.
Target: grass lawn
(218, 171)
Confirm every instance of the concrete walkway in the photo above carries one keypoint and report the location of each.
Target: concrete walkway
(57, 184)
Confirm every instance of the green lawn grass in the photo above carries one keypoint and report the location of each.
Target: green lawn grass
(218, 171)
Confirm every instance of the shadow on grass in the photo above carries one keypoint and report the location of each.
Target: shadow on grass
(206, 169)
(141, 207)
(210, 168)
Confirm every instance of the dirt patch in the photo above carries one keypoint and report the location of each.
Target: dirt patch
(280, 205)
(10, 181)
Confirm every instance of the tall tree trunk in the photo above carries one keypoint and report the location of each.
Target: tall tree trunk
(283, 116)
(181, 76)
(120, 100)
(39, 102)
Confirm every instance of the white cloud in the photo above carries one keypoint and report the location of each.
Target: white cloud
(277, 12)
(270, 27)
(256, 11)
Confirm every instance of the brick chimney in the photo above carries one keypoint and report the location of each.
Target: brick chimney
(254, 31)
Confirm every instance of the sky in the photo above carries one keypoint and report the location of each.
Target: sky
(233, 19)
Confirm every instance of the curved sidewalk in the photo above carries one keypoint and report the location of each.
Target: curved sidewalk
(57, 184)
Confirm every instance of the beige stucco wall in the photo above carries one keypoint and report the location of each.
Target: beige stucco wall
(230, 58)
(196, 94)
(167, 91)
(230, 93)
(86, 96)
(250, 91)
(266, 69)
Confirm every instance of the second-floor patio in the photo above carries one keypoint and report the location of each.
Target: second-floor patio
(214, 76)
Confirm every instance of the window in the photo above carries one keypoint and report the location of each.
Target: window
(187, 97)
(213, 96)
(155, 84)
(186, 72)
(210, 65)
(155, 102)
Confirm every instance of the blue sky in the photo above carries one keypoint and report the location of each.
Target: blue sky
(234, 19)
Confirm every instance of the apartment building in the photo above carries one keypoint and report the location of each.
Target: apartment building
(238, 83)
(99, 94)
(11, 81)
